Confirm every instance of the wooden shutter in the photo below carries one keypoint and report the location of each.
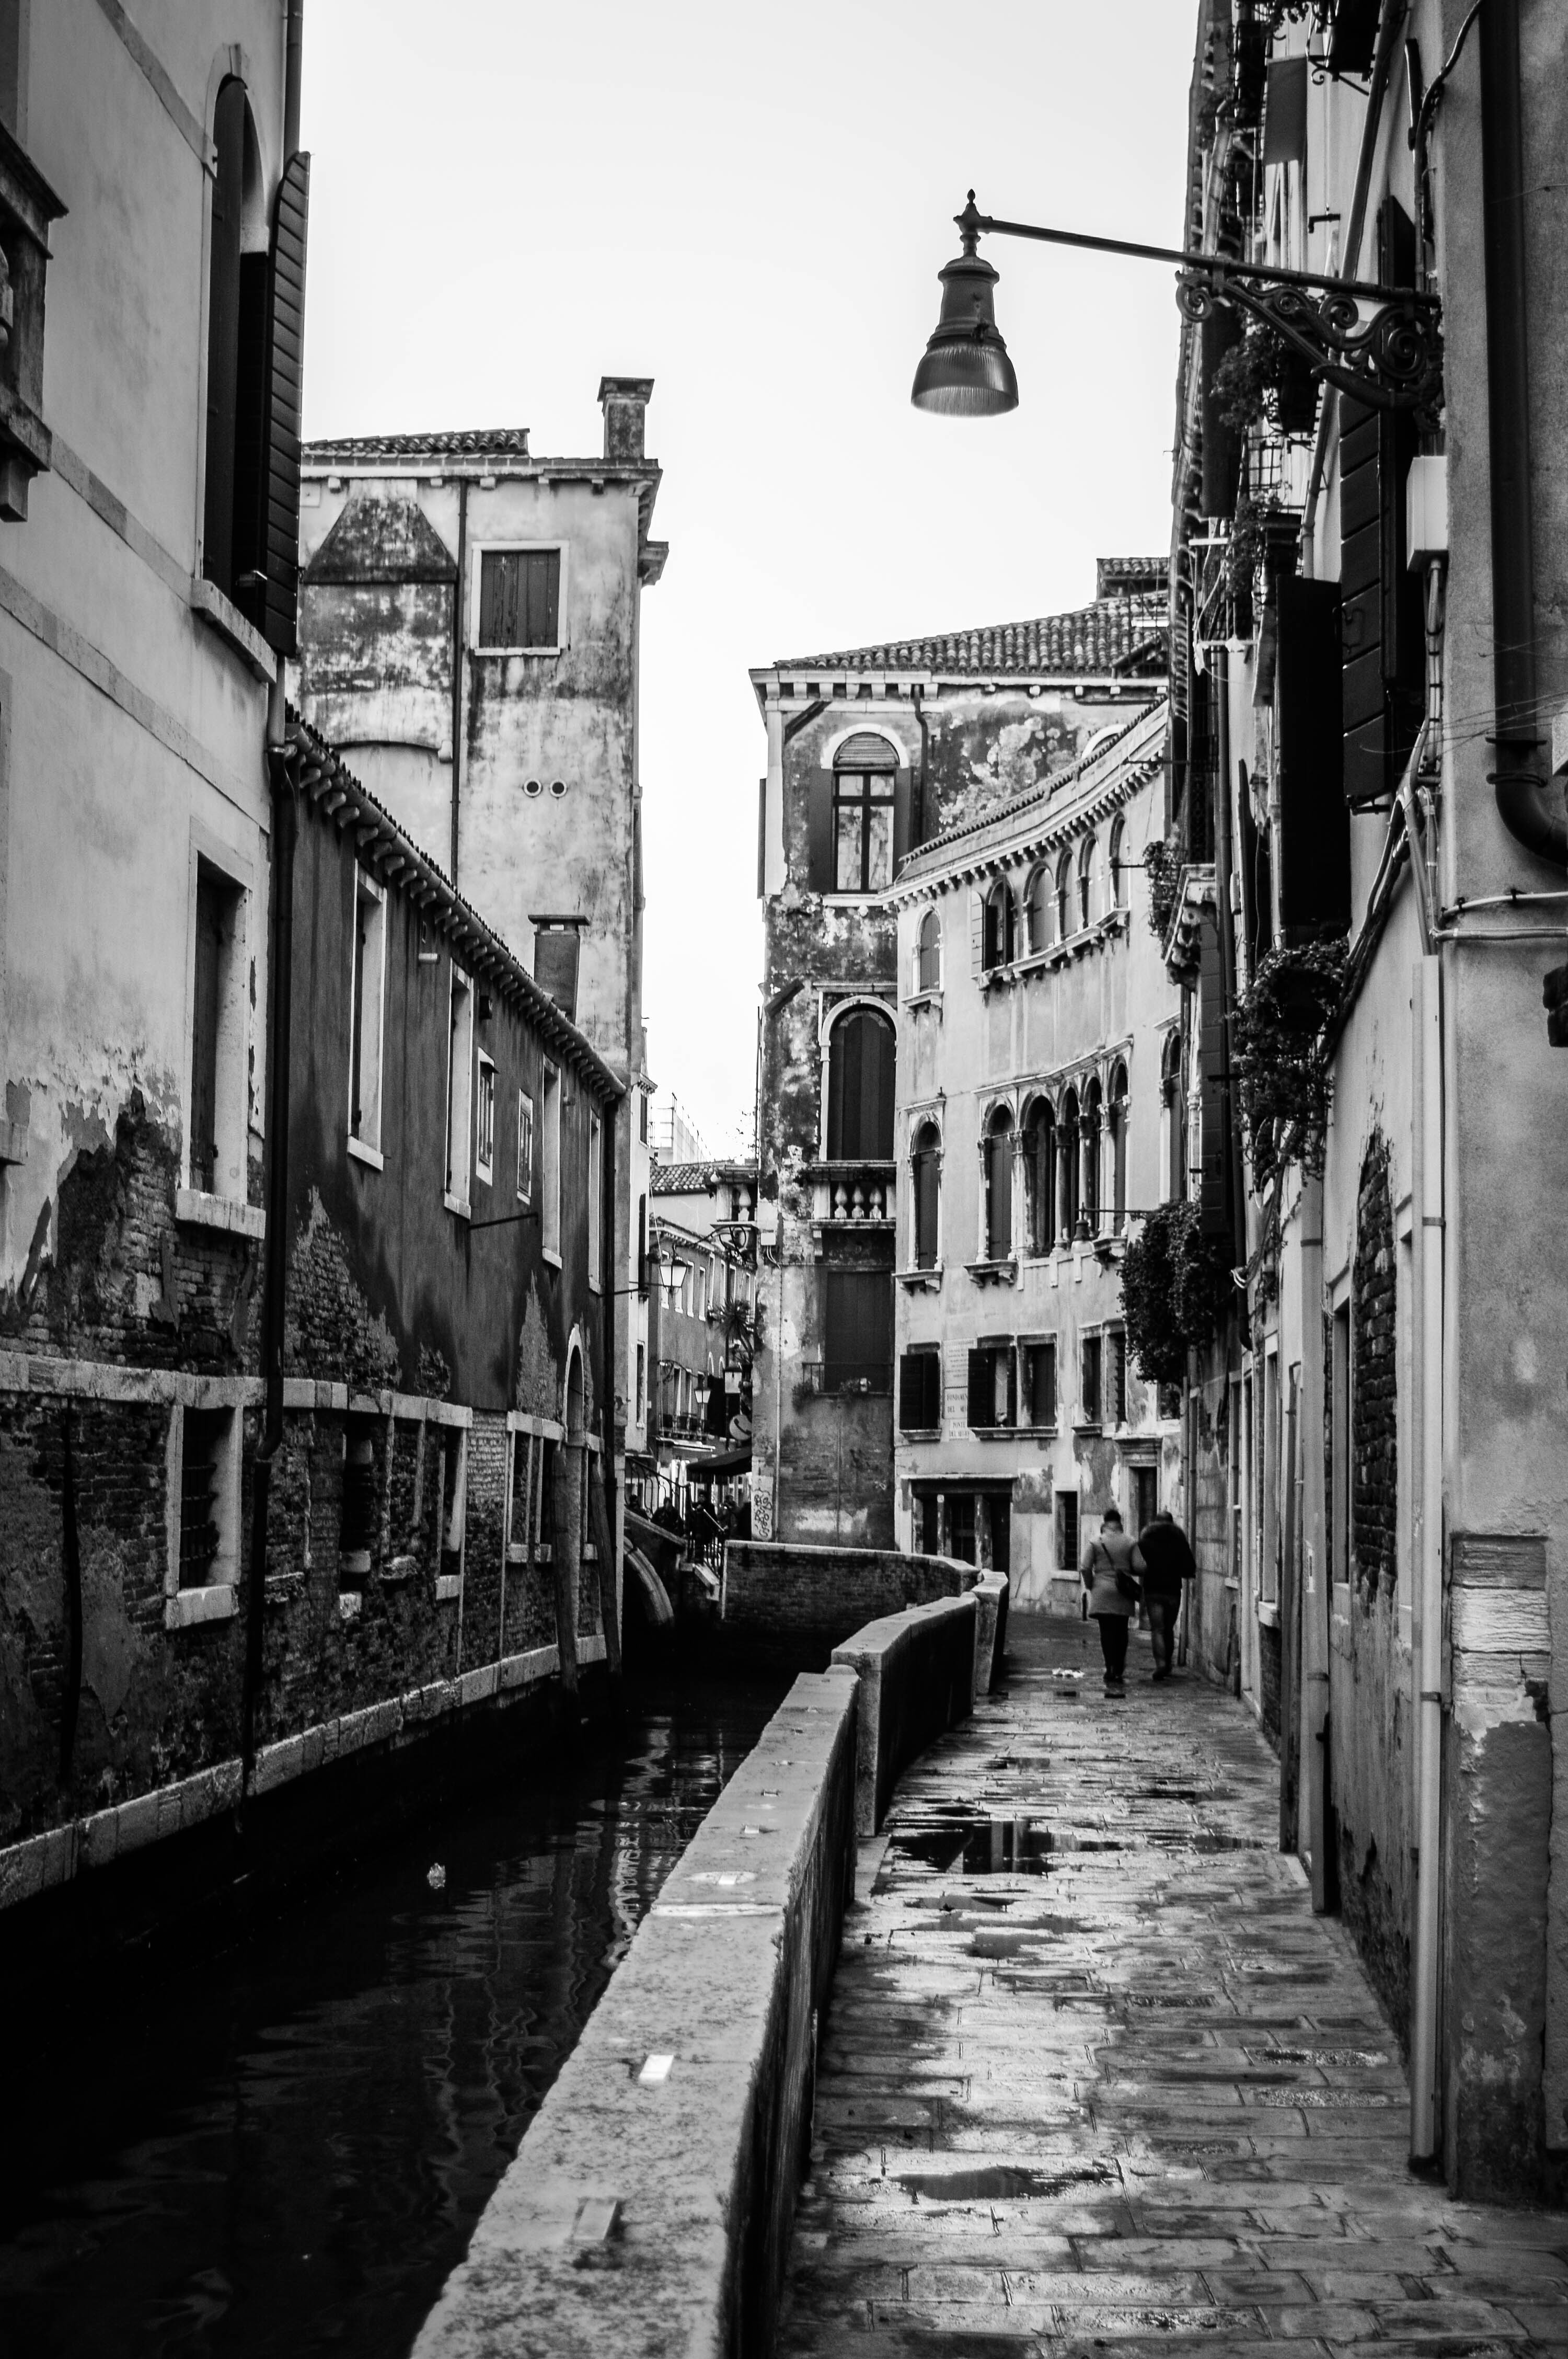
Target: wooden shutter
(541, 597)
(204, 1038)
(1285, 130)
(977, 929)
(926, 1207)
(223, 336)
(1213, 1142)
(903, 832)
(284, 382)
(761, 843)
(1353, 39)
(933, 1364)
(1219, 333)
(1314, 824)
(980, 1390)
(819, 830)
(1384, 637)
(911, 1391)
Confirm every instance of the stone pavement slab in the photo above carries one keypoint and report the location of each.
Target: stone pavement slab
(1096, 2080)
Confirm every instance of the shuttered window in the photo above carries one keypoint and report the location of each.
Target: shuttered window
(999, 1186)
(519, 597)
(993, 1388)
(1381, 623)
(210, 931)
(860, 1088)
(857, 1331)
(920, 1392)
(284, 382)
(200, 1457)
(1039, 1405)
(927, 1165)
(1067, 1531)
(1090, 1369)
(1214, 1094)
(1311, 756)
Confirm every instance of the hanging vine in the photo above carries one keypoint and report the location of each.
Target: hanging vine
(1279, 1055)
(1175, 1283)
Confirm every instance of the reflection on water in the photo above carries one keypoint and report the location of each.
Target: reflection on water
(284, 2149)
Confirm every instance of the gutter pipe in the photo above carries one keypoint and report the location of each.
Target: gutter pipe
(458, 596)
(1521, 785)
(1426, 1664)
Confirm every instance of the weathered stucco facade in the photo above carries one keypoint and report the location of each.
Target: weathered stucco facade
(1368, 747)
(470, 639)
(1034, 1130)
(872, 753)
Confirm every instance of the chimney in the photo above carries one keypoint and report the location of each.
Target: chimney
(624, 401)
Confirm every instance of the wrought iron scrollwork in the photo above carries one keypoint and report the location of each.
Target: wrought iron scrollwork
(1387, 352)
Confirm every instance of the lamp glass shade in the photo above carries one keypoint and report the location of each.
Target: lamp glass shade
(965, 371)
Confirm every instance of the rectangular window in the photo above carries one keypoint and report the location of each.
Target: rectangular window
(862, 831)
(961, 1525)
(920, 1392)
(519, 598)
(993, 1394)
(359, 1514)
(928, 1525)
(1116, 1375)
(1339, 1445)
(1067, 1531)
(460, 1094)
(642, 1382)
(550, 1149)
(217, 1159)
(484, 1121)
(1040, 1384)
(524, 1147)
(857, 1308)
(595, 1206)
(204, 1450)
(544, 1512)
(1089, 1365)
(454, 1505)
(366, 997)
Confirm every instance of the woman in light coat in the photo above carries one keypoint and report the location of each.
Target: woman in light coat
(1110, 1568)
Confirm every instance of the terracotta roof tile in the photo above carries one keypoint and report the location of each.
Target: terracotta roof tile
(1120, 633)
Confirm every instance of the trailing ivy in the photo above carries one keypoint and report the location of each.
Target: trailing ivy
(1279, 1058)
(1174, 1285)
(1163, 869)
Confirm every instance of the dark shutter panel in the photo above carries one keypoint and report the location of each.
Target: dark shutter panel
(1011, 1417)
(1353, 39)
(248, 557)
(903, 835)
(874, 1139)
(979, 1389)
(204, 1042)
(1314, 824)
(933, 1364)
(286, 360)
(1214, 1155)
(1048, 1415)
(1286, 131)
(841, 1048)
(910, 1392)
(762, 837)
(819, 831)
(224, 337)
(1219, 333)
(926, 1207)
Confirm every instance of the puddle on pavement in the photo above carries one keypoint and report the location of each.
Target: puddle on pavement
(979, 1846)
(1002, 2181)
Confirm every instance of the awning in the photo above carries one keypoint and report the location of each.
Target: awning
(713, 1462)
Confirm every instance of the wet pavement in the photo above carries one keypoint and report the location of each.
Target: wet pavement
(1096, 2079)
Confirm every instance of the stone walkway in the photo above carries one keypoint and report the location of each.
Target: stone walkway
(1143, 2100)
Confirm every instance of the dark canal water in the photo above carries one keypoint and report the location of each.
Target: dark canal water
(284, 2151)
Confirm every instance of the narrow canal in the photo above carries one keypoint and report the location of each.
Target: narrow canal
(285, 2150)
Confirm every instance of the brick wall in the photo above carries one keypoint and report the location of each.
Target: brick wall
(1374, 1474)
(795, 1604)
(1269, 1658)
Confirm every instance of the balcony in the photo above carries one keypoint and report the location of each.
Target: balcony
(852, 1195)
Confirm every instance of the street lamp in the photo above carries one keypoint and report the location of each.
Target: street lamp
(1381, 344)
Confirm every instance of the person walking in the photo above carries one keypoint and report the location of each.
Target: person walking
(1167, 1565)
(1110, 1568)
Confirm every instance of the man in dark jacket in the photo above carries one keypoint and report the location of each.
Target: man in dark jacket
(1167, 1563)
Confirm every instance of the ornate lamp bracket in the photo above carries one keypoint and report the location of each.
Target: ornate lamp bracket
(1386, 351)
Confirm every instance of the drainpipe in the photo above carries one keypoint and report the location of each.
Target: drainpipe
(458, 597)
(293, 48)
(281, 767)
(1426, 1215)
(1524, 800)
(609, 1553)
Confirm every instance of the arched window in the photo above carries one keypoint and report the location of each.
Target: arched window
(928, 953)
(1118, 872)
(1086, 911)
(1118, 1119)
(997, 945)
(1068, 1167)
(233, 519)
(1037, 911)
(999, 1186)
(1064, 897)
(1091, 1126)
(1040, 1175)
(859, 1088)
(864, 784)
(1172, 1119)
(927, 1163)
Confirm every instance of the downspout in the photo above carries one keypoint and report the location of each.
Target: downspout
(284, 835)
(1524, 801)
(293, 50)
(1426, 1215)
(1219, 669)
(458, 597)
(604, 1539)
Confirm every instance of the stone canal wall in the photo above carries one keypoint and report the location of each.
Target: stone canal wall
(649, 2207)
(793, 1605)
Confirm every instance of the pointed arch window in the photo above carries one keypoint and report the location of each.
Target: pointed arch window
(1086, 852)
(1092, 1121)
(1118, 870)
(233, 521)
(1068, 1167)
(928, 953)
(928, 1188)
(865, 774)
(859, 1088)
(1117, 1117)
(1040, 1175)
(1172, 1117)
(1064, 897)
(1038, 910)
(999, 1185)
(997, 946)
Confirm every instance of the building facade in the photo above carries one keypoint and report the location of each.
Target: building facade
(1366, 837)
(871, 753)
(701, 1274)
(1036, 1122)
(470, 639)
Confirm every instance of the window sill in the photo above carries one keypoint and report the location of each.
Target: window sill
(993, 1273)
(13, 1142)
(363, 1152)
(930, 997)
(518, 651)
(187, 1608)
(197, 1210)
(551, 1253)
(284, 1588)
(398, 1570)
(1268, 1615)
(995, 1432)
(1093, 1426)
(917, 1281)
(354, 1561)
(448, 1585)
(209, 605)
(350, 1604)
(484, 1174)
(920, 1433)
(458, 1204)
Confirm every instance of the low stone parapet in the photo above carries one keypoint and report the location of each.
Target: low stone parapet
(792, 1605)
(915, 1675)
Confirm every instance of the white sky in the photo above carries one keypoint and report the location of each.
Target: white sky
(750, 204)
